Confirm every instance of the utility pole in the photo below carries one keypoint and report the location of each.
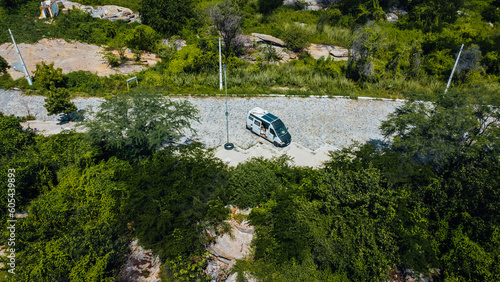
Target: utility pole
(227, 146)
(454, 67)
(21, 58)
(220, 66)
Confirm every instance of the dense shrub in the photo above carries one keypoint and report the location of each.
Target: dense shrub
(46, 77)
(295, 37)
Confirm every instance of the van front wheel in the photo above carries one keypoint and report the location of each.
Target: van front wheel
(248, 127)
(276, 144)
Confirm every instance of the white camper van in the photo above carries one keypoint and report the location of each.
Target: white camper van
(268, 126)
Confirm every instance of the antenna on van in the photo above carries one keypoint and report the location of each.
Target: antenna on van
(228, 145)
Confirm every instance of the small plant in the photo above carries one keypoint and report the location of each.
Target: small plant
(270, 54)
(113, 60)
(137, 55)
(239, 218)
(29, 117)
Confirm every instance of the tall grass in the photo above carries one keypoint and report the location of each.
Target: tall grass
(338, 36)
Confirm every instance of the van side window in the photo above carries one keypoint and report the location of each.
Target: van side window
(257, 123)
(272, 131)
(251, 118)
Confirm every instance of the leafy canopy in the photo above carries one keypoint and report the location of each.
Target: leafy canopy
(133, 126)
(58, 102)
(455, 128)
(46, 77)
(168, 17)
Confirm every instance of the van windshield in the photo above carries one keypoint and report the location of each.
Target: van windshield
(280, 128)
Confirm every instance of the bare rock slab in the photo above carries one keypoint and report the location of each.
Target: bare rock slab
(227, 249)
(269, 39)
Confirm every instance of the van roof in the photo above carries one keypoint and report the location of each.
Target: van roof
(263, 114)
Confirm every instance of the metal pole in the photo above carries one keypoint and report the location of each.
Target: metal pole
(220, 65)
(454, 67)
(21, 58)
(227, 114)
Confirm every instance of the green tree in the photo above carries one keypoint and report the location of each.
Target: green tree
(133, 126)
(469, 62)
(430, 15)
(168, 17)
(227, 18)
(172, 211)
(267, 6)
(143, 38)
(295, 37)
(58, 102)
(46, 77)
(368, 41)
(13, 137)
(456, 128)
(76, 231)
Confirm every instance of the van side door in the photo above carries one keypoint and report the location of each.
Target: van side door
(256, 126)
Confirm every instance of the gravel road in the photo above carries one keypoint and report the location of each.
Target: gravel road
(312, 122)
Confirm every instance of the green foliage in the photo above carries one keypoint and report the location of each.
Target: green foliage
(267, 6)
(58, 102)
(338, 219)
(143, 38)
(368, 41)
(338, 36)
(46, 77)
(252, 183)
(431, 15)
(74, 231)
(113, 60)
(469, 62)
(457, 127)
(12, 136)
(135, 126)
(183, 268)
(183, 198)
(295, 38)
(191, 59)
(4, 66)
(166, 16)
(227, 19)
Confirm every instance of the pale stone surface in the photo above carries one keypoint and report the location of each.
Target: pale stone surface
(107, 12)
(69, 56)
(339, 53)
(269, 38)
(300, 155)
(141, 265)
(319, 50)
(229, 248)
(391, 17)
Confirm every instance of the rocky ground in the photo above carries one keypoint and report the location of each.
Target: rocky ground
(312, 122)
(69, 56)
